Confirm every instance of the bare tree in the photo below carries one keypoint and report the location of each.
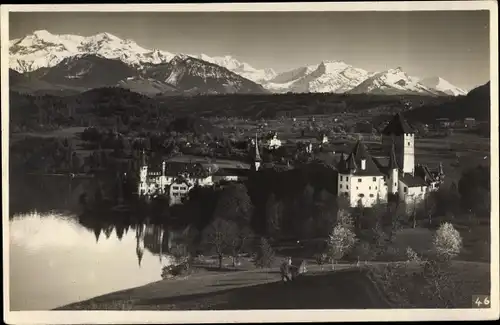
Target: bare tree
(217, 235)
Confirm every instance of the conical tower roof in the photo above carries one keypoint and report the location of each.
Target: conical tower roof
(393, 163)
(398, 126)
(256, 155)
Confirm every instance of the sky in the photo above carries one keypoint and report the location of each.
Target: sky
(453, 45)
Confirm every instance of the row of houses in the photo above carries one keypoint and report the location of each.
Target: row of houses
(362, 178)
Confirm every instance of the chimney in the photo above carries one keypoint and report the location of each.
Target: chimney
(363, 164)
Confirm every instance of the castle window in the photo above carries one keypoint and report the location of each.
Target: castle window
(356, 187)
(361, 195)
(359, 180)
(405, 189)
(369, 187)
(347, 187)
(346, 178)
(374, 179)
(341, 178)
(340, 185)
(371, 195)
(375, 187)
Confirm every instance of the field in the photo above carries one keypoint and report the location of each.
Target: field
(255, 289)
(457, 152)
(347, 287)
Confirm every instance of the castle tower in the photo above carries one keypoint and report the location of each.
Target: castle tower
(393, 170)
(143, 175)
(256, 156)
(402, 135)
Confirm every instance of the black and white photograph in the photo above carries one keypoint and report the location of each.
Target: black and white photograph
(250, 162)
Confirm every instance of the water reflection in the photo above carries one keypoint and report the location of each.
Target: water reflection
(57, 259)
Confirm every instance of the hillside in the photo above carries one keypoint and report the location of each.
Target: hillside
(201, 77)
(476, 104)
(85, 71)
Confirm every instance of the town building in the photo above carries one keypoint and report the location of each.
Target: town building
(323, 138)
(365, 180)
(176, 179)
(272, 142)
(469, 122)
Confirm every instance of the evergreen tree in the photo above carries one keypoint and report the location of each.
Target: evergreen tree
(265, 254)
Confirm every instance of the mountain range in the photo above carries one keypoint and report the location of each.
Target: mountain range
(49, 62)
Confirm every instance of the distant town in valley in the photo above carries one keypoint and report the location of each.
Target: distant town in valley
(244, 188)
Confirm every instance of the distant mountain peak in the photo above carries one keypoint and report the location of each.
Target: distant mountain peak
(42, 33)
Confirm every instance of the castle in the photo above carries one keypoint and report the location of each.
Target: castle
(365, 180)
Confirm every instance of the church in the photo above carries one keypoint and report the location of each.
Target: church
(365, 180)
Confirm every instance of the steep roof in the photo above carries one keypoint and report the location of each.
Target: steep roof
(342, 163)
(353, 166)
(256, 153)
(397, 126)
(393, 163)
(412, 180)
(174, 168)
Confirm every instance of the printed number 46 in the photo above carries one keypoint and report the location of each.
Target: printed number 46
(485, 301)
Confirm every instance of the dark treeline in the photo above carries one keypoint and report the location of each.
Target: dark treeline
(120, 108)
(476, 105)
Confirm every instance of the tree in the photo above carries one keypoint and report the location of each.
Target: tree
(447, 242)
(324, 213)
(265, 254)
(340, 241)
(237, 240)
(274, 216)
(474, 190)
(234, 204)
(217, 235)
(431, 205)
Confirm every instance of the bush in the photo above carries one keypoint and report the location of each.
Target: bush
(175, 270)
(265, 254)
(321, 259)
(412, 255)
(447, 242)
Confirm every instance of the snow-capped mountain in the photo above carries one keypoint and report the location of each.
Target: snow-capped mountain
(393, 82)
(86, 71)
(147, 86)
(328, 76)
(443, 86)
(242, 68)
(197, 76)
(67, 56)
(43, 49)
(283, 81)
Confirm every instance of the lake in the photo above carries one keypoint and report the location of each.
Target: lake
(57, 258)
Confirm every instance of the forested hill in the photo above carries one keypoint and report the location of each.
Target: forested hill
(475, 104)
